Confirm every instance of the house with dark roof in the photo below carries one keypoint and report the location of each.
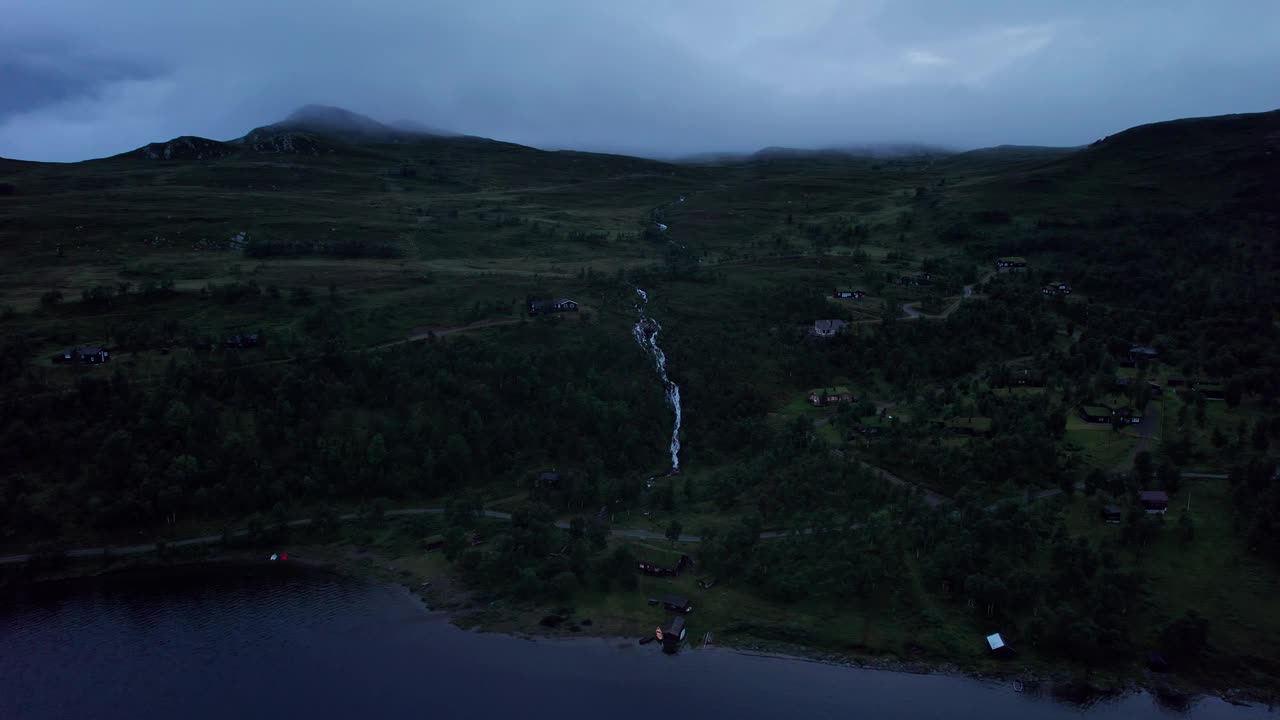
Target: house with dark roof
(672, 634)
(1026, 377)
(1154, 501)
(972, 426)
(546, 307)
(247, 340)
(1112, 513)
(548, 479)
(828, 328)
(1096, 414)
(1011, 264)
(661, 564)
(1142, 353)
(822, 397)
(677, 604)
(1056, 287)
(85, 355)
(848, 294)
(1131, 416)
(921, 280)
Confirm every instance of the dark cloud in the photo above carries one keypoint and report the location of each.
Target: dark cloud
(84, 78)
(36, 77)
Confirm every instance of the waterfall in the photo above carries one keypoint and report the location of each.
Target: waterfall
(646, 332)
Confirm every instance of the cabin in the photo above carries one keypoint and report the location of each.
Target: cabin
(546, 307)
(828, 328)
(672, 634)
(823, 397)
(667, 566)
(86, 355)
(1124, 383)
(971, 426)
(1155, 502)
(921, 280)
(1011, 264)
(863, 429)
(1129, 416)
(1025, 378)
(1056, 288)
(997, 645)
(435, 542)
(677, 604)
(848, 294)
(1212, 391)
(548, 479)
(1142, 353)
(1112, 514)
(1096, 414)
(248, 340)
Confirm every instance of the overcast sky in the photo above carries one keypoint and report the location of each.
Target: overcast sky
(88, 78)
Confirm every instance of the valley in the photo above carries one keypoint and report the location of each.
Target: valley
(954, 447)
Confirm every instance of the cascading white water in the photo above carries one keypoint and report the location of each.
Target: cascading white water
(646, 332)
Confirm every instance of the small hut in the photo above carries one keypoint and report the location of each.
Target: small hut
(672, 635)
(997, 645)
(677, 604)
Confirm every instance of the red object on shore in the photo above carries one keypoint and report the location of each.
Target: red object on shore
(284, 556)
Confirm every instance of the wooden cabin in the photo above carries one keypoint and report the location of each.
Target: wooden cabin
(822, 397)
(1155, 502)
(672, 634)
(677, 604)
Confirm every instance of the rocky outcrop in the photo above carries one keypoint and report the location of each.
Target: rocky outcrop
(187, 147)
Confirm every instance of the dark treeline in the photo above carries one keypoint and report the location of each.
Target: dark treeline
(420, 420)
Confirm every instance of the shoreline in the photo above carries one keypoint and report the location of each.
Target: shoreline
(1076, 686)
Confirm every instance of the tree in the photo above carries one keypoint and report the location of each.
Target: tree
(563, 585)
(1095, 480)
(1219, 440)
(326, 523)
(1186, 638)
(1260, 440)
(624, 567)
(1067, 484)
(377, 452)
(1186, 528)
(598, 534)
(673, 530)
(1233, 392)
(1170, 478)
(1142, 467)
(457, 457)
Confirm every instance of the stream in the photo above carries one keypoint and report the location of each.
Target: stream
(646, 332)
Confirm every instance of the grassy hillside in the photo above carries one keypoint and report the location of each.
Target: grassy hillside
(389, 272)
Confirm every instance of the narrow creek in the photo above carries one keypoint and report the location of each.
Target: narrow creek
(646, 332)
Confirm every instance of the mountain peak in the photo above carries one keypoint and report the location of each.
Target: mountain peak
(329, 117)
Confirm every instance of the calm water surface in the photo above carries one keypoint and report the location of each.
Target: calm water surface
(279, 641)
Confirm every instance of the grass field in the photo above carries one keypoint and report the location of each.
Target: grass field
(1214, 573)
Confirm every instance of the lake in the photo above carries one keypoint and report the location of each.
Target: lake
(282, 640)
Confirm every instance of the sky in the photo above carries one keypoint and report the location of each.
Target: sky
(662, 78)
